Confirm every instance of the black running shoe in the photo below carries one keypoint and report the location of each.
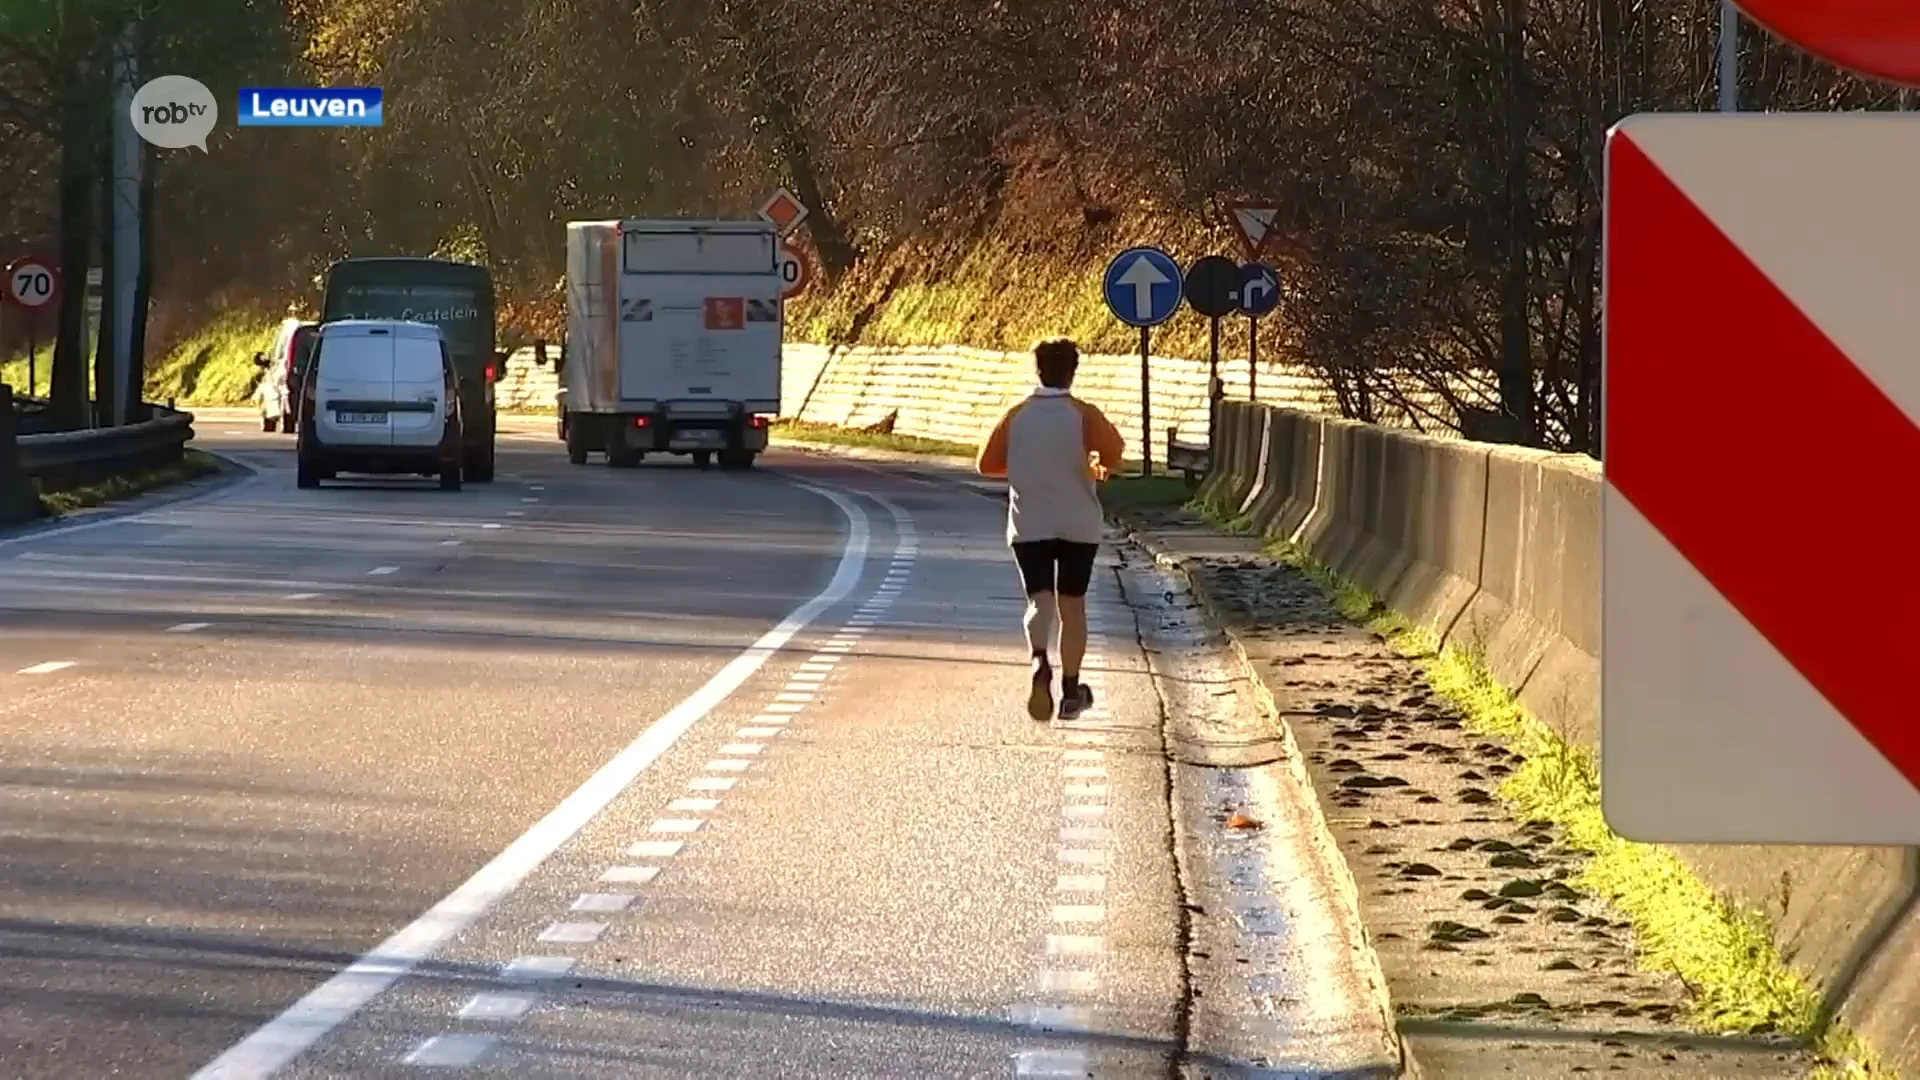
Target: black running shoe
(1040, 698)
(1075, 700)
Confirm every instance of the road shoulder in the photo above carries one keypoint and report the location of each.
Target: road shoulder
(1485, 939)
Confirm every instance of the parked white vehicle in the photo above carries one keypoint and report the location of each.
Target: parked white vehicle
(278, 391)
(380, 396)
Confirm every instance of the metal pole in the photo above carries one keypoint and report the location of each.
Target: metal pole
(1729, 57)
(1146, 403)
(33, 354)
(1253, 358)
(117, 296)
(1213, 376)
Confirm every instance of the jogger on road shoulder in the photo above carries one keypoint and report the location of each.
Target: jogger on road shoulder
(1053, 448)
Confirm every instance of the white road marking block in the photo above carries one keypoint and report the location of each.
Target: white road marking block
(794, 696)
(537, 967)
(1052, 1017)
(1079, 913)
(728, 765)
(1076, 883)
(572, 933)
(47, 668)
(1083, 834)
(1083, 856)
(629, 875)
(788, 707)
(712, 783)
(756, 732)
(676, 825)
(380, 570)
(602, 903)
(1085, 755)
(1075, 945)
(1084, 772)
(742, 749)
(655, 849)
(303, 596)
(1053, 981)
(1086, 791)
(1085, 810)
(494, 1005)
(452, 1051)
(694, 806)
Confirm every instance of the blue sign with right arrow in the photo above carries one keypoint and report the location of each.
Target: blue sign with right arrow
(1259, 290)
(1143, 286)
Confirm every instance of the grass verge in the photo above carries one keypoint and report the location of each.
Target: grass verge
(803, 431)
(192, 464)
(215, 365)
(1724, 953)
(1145, 492)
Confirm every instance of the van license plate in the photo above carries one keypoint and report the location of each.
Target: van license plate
(699, 439)
(362, 417)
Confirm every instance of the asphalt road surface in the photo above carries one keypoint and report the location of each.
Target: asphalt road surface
(659, 772)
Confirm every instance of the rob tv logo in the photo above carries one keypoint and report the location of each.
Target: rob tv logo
(310, 107)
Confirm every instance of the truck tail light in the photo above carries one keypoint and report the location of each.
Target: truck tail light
(491, 373)
(760, 421)
(639, 421)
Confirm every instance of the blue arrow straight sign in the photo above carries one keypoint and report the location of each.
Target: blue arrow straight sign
(1259, 290)
(1143, 286)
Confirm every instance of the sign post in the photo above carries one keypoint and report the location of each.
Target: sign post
(1213, 290)
(32, 284)
(1259, 295)
(1142, 288)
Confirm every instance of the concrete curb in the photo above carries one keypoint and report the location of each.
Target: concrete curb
(1295, 765)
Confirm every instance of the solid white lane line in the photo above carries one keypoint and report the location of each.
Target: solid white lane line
(601, 903)
(572, 933)
(629, 875)
(187, 627)
(655, 849)
(380, 570)
(525, 968)
(712, 783)
(325, 1007)
(47, 668)
(452, 1051)
(497, 1005)
(694, 806)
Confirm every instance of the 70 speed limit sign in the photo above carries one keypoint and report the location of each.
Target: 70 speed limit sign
(32, 282)
(796, 272)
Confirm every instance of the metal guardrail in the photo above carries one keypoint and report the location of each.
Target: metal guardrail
(1191, 460)
(71, 458)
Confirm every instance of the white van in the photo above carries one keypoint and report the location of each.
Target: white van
(380, 396)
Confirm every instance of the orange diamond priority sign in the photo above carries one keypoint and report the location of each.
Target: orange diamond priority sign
(783, 210)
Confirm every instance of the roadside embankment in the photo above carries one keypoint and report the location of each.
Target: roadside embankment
(1492, 555)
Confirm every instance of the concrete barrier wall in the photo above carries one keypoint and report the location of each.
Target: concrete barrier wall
(1498, 549)
(954, 393)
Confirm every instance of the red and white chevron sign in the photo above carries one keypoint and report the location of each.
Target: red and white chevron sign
(1761, 623)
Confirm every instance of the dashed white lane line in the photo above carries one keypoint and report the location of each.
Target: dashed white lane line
(380, 570)
(602, 903)
(629, 875)
(757, 732)
(451, 543)
(740, 749)
(497, 1005)
(573, 933)
(712, 783)
(527, 968)
(187, 627)
(452, 1051)
(46, 668)
(516, 513)
(677, 825)
(720, 765)
(655, 849)
(303, 596)
(694, 806)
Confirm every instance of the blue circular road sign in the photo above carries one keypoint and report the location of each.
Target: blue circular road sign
(1143, 286)
(1259, 289)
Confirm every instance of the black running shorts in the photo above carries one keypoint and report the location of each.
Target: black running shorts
(1060, 566)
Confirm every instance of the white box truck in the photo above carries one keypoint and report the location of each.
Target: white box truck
(673, 340)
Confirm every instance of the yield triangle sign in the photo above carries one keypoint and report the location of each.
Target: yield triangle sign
(1254, 223)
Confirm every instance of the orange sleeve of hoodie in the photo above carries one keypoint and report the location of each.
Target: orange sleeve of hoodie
(992, 459)
(1100, 436)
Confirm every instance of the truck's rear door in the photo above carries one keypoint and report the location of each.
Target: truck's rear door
(699, 314)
